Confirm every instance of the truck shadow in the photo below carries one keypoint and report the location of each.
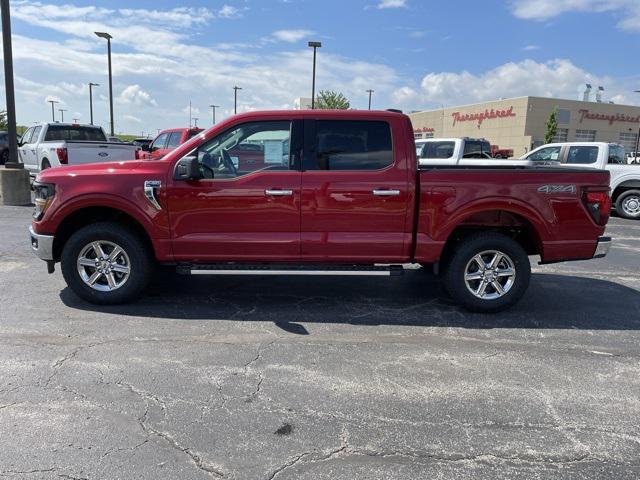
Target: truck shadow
(414, 299)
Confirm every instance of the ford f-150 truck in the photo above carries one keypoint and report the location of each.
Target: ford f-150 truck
(464, 151)
(625, 177)
(166, 141)
(54, 144)
(333, 192)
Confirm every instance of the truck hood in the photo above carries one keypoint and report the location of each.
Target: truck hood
(106, 168)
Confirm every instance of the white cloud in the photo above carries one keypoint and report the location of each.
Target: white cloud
(629, 10)
(392, 4)
(291, 36)
(180, 17)
(132, 118)
(228, 11)
(134, 95)
(556, 78)
(530, 48)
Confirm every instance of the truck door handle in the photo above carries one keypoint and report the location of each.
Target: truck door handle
(386, 193)
(278, 193)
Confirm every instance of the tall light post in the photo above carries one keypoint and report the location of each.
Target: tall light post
(53, 111)
(195, 122)
(235, 99)
(62, 110)
(213, 113)
(370, 92)
(108, 37)
(91, 85)
(8, 84)
(315, 46)
(635, 152)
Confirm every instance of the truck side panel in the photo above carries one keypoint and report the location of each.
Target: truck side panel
(563, 228)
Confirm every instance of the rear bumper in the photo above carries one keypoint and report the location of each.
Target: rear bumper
(602, 247)
(42, 245)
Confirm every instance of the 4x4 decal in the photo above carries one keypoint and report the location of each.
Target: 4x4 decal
(557, 189)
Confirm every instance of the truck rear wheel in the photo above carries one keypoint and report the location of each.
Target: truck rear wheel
(106, 263)
(488, 272)
(628, 204)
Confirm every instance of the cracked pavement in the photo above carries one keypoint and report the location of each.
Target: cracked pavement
(320, 378)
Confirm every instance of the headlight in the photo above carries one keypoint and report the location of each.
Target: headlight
(44, 193)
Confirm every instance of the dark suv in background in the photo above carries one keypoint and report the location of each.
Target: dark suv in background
(4, 148)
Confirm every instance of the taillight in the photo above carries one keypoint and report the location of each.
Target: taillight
(63, 158)
(598, 203)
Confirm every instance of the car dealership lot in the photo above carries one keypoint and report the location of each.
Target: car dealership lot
(320, 377)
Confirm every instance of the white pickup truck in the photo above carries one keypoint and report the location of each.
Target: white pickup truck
(625, 178)
(435, 152)
(54, 144)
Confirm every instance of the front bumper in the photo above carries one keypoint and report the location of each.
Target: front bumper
(602, 248)
(42, 245)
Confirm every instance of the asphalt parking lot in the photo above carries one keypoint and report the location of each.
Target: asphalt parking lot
(320, 378)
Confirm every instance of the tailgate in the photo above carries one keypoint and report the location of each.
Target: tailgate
(93, 152)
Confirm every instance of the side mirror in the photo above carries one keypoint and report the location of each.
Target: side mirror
(146, 147)
(188, 168)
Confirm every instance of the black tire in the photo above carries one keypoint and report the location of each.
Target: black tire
(626, 200)
(139, 259)
(461, 259)
(45, 164)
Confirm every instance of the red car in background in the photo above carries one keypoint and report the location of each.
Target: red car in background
(166, 141)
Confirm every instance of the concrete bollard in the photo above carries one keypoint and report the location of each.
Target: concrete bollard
(15, 188)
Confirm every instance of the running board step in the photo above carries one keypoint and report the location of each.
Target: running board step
(279, 269)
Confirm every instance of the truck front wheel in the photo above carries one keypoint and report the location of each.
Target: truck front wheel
(106, 263)
(488, 272)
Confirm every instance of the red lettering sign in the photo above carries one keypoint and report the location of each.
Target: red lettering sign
(617, 117)
(482, 116)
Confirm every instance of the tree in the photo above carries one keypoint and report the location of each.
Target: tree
(330, 100)
(3, 120)
(552, 127)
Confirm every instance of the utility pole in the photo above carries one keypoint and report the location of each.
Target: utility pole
(370, 92)
(195, 122)
(108, 37)
(635, 152)
(315, 46)
(235, 99)
(91, 84)
(189, 113)
(213, 113)
(8, 84)
(62, 110)
(53, 112)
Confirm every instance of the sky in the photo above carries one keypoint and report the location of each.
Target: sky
(414, 54)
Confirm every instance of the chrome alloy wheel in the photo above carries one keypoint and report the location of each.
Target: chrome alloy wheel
(103, 266)
(490, 275)
(631, 205)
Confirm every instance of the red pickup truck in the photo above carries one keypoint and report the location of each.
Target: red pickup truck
(166, 141)
(317, 192)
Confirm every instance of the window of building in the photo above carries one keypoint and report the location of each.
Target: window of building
(628, 140)
(353, 145)
(563, 116)
(582, 154)
(585, 135)
(429, 135)
(562, 135)
(245, 149)
(417, 136)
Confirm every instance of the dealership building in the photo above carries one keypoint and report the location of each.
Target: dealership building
(520, 123)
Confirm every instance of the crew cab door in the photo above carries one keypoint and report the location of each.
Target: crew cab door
(242, 210)
(355, 191)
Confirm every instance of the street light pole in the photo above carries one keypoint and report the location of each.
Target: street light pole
(8, 85)
(108, 38)
(235, 99)
(91, 84)
(315, 46)
(62, 110)
(53, 112)
(370, 92)
(213, 113)
(635, 152)
(195, 122)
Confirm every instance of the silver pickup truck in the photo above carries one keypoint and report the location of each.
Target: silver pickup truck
(55, 144)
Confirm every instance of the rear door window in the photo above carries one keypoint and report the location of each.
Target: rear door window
(174, 140)
(582, 154)
(352, 145)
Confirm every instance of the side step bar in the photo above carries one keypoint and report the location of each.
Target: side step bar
(285, 269)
